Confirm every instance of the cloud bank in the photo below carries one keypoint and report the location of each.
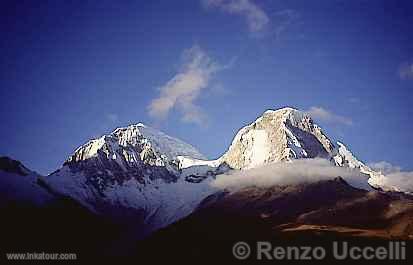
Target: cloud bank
(393, 176)
(322, 114)
(290, 173)
(401, 181)
(185, 87)
(255, 17)
(406, 71)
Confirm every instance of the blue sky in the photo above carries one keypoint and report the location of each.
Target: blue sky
(200, 70)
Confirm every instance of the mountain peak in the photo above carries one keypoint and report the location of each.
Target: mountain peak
(132, 127)
(132, 146)
(277, 135)
(287, 113)
(140, 124)
(284, 109)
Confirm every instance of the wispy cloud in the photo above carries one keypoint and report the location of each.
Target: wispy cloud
(322, 114)
(255, 16)
(185, 87)
(406, 71)
(289, 173)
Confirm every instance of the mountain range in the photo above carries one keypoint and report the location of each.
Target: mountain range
(281, 176)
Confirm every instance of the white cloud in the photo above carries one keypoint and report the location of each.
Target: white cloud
(322, 114)
(406, 71)
(289, 173)
(393, 176)
(401, 181)
(255, 16)
(185, 87)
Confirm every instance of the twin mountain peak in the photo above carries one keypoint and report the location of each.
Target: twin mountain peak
(143, 175)
(277, 135)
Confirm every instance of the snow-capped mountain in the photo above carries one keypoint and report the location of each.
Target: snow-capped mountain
(130, 148)
(141, 175)
(132, 173)
(281, 176)
(277, 135)
(280, 136)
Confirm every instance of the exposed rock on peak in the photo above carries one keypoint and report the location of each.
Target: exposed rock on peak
(277, 135)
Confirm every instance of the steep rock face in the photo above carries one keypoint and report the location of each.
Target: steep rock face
(276, 136)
